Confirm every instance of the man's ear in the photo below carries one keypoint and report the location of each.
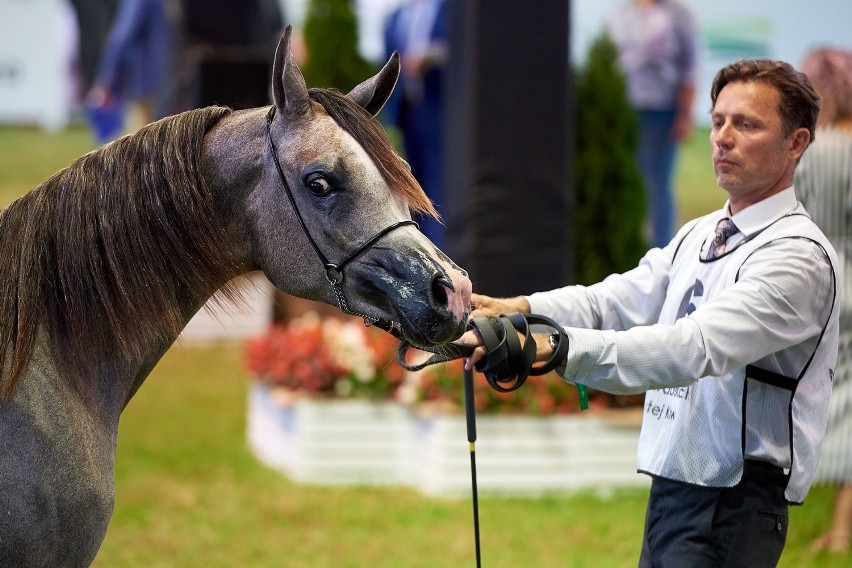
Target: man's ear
(799, 142)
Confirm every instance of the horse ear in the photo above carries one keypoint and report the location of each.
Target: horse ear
(288, 85)
(373, 93)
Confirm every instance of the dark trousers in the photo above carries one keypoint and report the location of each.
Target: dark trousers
(700, 527)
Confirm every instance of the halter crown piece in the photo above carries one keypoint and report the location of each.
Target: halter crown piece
(334, 271)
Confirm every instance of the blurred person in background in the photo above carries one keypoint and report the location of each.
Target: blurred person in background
(418, 31)
(824, 185)
(168, 56)
(132, 68)
(657, 45)
(94, 18)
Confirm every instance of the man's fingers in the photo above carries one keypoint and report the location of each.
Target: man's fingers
(471, 339)
(478, 353)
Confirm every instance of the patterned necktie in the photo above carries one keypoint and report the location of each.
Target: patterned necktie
(724, 229)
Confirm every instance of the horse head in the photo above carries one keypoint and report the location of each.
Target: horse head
(331, 210)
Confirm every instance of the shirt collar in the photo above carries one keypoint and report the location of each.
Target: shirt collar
(760, 215)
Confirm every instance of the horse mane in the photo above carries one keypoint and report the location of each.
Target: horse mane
(100, 255)
(367, 131)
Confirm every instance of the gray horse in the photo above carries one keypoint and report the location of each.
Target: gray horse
(103, 265)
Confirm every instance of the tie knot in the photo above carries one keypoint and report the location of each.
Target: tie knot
(724, 229)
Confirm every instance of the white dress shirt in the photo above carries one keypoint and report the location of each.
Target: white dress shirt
(685, 329)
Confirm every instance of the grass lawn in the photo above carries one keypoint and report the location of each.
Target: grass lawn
(189, 493)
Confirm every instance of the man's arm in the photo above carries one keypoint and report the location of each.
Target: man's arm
(781, 300)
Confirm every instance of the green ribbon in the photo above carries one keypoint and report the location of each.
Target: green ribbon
(584, 396)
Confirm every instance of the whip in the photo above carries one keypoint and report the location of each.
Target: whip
(470, 415)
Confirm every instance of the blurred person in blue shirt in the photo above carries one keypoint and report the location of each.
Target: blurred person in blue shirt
(132, 67)
(418, 31)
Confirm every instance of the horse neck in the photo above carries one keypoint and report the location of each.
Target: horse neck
(225, 148)
(232, 172)
(129, 286)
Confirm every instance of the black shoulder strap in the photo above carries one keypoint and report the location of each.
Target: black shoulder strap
(833, 288)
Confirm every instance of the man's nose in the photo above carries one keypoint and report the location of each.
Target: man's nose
(723, 136)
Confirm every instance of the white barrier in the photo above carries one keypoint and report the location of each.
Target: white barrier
(38, 44)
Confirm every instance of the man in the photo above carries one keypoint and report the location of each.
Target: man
(731, 329)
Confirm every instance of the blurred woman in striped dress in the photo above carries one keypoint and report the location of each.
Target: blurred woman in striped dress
(824, 185)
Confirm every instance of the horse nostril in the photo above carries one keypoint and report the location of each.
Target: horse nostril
(441, 286)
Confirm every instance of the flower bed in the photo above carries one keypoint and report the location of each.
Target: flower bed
(326, 357)
(328, 441)
(523, 455)
(332, 406)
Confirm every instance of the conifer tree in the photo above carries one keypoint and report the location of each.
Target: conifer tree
(331, 39)
(610, 197)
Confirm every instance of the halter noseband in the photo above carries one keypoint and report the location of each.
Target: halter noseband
(334, 271)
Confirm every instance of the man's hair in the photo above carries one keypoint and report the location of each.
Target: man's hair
(799, 101)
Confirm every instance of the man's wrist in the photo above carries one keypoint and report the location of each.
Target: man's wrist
(558, 343)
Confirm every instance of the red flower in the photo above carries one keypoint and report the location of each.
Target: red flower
(307, 356)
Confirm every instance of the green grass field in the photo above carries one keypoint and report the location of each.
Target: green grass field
(189, 493)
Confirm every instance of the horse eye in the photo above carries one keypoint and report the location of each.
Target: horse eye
(317, 184)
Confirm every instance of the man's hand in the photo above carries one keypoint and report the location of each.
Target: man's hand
(488, 306)
(471, 338)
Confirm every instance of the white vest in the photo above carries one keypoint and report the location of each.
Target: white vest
(776, 412)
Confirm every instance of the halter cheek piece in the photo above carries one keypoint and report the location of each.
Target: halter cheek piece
(334, 271)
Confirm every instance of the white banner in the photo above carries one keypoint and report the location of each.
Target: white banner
(37, 53)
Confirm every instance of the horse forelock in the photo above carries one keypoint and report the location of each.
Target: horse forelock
(358, 123)
(102, 255)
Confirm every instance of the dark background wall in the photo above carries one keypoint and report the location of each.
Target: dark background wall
(508, 191)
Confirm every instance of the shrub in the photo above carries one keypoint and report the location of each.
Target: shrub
(609, 191)
(331, 39)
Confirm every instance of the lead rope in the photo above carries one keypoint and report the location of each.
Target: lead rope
(507, 361)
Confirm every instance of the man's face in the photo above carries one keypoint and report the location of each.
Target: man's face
(751, 157)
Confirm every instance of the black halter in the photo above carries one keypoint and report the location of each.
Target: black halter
(334, 271)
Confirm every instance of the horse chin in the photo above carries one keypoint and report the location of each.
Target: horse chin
(433, 331)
